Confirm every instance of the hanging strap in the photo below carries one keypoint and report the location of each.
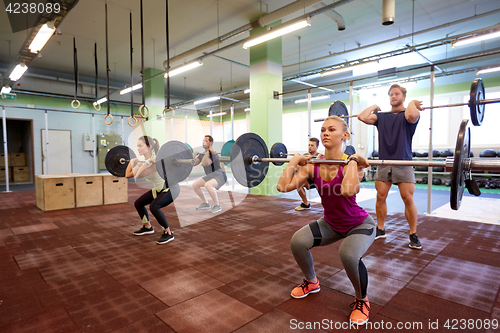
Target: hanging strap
(131, 120)
(142, 58)
(75, 103)
(168, 54)
(108, 114)
(143, 105)
(97, 107)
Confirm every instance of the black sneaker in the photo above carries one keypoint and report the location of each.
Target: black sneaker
(380, 234)
(303, 206)
(165, 238)
(144, 231)
(414, 242)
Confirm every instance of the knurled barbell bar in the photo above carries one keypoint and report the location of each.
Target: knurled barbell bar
(476, 105)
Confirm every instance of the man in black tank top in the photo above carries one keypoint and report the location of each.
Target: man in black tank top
(215, 176)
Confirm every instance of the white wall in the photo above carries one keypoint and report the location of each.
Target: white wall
(77, 123)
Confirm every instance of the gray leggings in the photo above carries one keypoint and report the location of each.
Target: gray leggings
(356, 242)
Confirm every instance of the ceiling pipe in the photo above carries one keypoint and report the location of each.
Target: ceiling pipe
(388, 12)
(333, 15)
(239, 42)
(397, 38)
(265, 20)
(24, 55)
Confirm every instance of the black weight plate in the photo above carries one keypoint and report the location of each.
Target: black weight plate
(189, 147)
(458, 175)
(117, 160)
(244, 171)
(166, 166)
(226, 150)
(477, 94)
(338, 108)
(278, 150)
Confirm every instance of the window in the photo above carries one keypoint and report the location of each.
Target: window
(440, 125)
(482, 135)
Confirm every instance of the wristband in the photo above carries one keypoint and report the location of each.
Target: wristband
(148, 162)
(352, 159)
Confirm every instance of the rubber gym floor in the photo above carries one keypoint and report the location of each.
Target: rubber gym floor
(82, 270)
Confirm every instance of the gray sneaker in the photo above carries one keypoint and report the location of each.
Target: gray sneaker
(204, 205)
(215, 209)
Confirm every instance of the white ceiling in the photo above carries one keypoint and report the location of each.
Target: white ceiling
(194, 22)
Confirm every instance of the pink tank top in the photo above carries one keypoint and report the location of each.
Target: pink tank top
(342, 213)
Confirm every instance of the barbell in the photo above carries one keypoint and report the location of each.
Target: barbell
(476, 104)
(118, 157)
(250, 164)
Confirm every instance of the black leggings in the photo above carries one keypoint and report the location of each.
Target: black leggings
(163, 199)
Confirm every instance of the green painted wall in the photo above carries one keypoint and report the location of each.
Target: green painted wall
(266, 112)
(268, 51)
(154, 90)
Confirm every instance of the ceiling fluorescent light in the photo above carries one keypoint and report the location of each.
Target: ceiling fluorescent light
(100, 101)
(305, 83)
(317, 98)
(488, 70)
(206, 100)
(474, 39)
(18, 72)
(216, 114)
(184, 68)
(5, 90)
(127, 90)
(246, 109)
(246, 91)
(327, 89)
(277, 33)
(349, 68)
(42, 37)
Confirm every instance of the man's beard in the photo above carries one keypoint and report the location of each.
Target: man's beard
(395, 104)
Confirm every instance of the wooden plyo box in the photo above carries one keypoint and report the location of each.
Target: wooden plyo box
(17, 159)
(2, 173)
(115, 189)
(20, 174)
(88, 190)
(55, 192)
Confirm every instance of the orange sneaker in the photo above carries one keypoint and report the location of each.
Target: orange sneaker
(305, 289)
(360, 312)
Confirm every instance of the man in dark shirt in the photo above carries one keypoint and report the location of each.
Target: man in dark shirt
(395, 133)
(215, 176)
(313, 151)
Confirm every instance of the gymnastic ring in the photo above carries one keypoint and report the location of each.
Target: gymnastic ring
(140, 111)
(165, 109)
(97, 109)
(133, 123)
(73, 104)
(106, 117)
